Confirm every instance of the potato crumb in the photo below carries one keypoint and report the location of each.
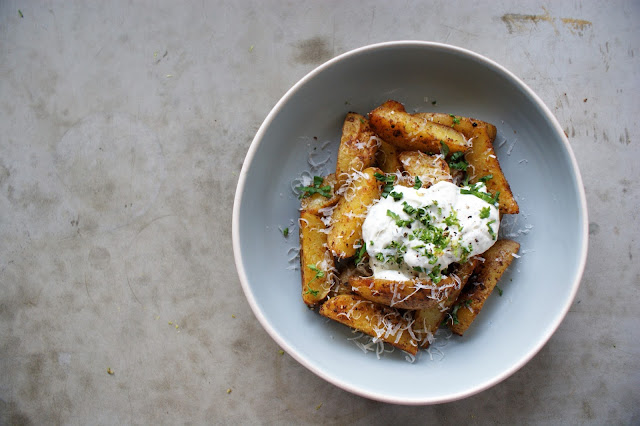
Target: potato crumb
(229, 390)
(233, 316)
(170, 322)
(281, 352)
(110, 371)
(319, 406)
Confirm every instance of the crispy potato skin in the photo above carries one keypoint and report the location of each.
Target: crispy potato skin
(387, 158)
(367, 317)
(315, 202)
(400, 294)
(350, 213)
(409, 132)
(358, 146)
(487, 274)
(481, 156)
(430, 169)
(428, 320)
(313, 252)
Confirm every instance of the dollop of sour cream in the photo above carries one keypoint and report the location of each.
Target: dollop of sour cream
(418, 233)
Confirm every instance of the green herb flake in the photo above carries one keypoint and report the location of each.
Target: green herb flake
(399, 222)
(316, 188)
(388, 182)
(485, 212)
(20, 13)
(397, 196)
(454, 314)
(491, 231)
(458, 162)
(312, 292)
(285, 232)
(444, 149)
(417, 184)
(499, 291)
(360, 253)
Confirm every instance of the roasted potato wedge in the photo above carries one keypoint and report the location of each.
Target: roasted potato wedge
(430, 169)
(428, 320)
(412, 294)
(358, 146)
(387, 158)
(464, 125)
(316, 261)
(376, 320)
(481, 156)
(316, 202)
(408, 132)
(487, 274)
(350, 212)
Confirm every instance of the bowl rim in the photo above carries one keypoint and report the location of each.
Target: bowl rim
(257, 140)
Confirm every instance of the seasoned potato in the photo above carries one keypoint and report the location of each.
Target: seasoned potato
(358, 146)
(316, 202)
(428, 320)
(487, 275)
(342, 285)
(408, 132)
(431, 169)
(412, 294)
(387, 158)
(376, 320)
(464, 125)
(349, 214)
(316, 261)
(481, 156)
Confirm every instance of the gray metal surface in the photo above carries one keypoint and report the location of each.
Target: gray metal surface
(123, 129)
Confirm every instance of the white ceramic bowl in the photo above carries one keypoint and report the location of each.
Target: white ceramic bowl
(536, 158)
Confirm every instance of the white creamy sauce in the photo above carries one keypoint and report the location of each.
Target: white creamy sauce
(424, 231)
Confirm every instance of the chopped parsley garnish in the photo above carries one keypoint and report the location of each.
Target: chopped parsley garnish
(454, 314)
(285, 232)
(399, 222)
(458, 162)
(20, 13)
(435, 274)
(396, 195)
(475, 190)
(491, 231)
(316, 188)
(388, 183)
(408, 208)
(418, 183)
(499, 291)
(456, 120)
(312, 292)
(319, 274)
(485, 212)
(444, 149)
(484, 179)
(452, 219)
(360, 253)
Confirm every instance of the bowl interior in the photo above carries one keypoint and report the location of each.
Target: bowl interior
(535, 157)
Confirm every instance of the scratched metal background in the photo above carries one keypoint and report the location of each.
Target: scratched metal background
(123, 129)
